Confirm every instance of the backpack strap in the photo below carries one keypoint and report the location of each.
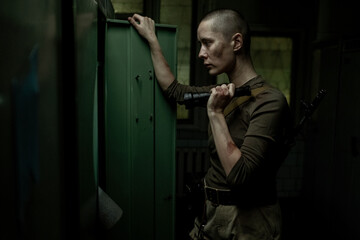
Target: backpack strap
(240, 100)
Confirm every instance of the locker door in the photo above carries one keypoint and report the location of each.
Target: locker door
(139, 134)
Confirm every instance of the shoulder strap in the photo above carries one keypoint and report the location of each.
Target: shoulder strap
(240, 100)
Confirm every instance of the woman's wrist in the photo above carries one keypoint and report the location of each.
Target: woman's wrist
(213, 113)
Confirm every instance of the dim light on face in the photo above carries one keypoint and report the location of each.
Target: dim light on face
(216, 52)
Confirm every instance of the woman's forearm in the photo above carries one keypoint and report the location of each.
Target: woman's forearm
(227, 151)
(162, 70)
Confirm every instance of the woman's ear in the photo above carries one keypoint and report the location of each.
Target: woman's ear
(237, 41)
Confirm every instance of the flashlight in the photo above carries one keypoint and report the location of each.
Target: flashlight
(192, 100)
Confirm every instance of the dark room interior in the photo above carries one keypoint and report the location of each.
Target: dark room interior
(85, 155)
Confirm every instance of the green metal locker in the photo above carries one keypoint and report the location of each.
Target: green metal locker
(140, 128)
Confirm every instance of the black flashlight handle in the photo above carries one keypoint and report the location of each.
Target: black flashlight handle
(200, 99)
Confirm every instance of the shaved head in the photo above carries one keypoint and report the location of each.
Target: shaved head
(228, 22)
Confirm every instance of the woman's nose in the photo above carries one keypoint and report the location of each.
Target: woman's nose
(202, 53)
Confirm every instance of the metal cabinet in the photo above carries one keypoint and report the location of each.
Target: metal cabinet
(140, 128)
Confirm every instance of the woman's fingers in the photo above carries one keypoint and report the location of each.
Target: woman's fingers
(231, 87)
(220, 97)
(144, 25)
(136, 20)
(225, 89)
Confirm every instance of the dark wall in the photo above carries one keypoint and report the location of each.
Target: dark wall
(331, 189)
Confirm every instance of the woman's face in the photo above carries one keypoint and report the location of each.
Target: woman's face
(216, 51)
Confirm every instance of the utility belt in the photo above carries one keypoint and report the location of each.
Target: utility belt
(231, 197)
(220, 196)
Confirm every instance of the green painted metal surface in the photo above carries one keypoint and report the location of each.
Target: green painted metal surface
(140, 134)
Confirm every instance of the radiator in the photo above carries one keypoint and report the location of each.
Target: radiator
(191, 164)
